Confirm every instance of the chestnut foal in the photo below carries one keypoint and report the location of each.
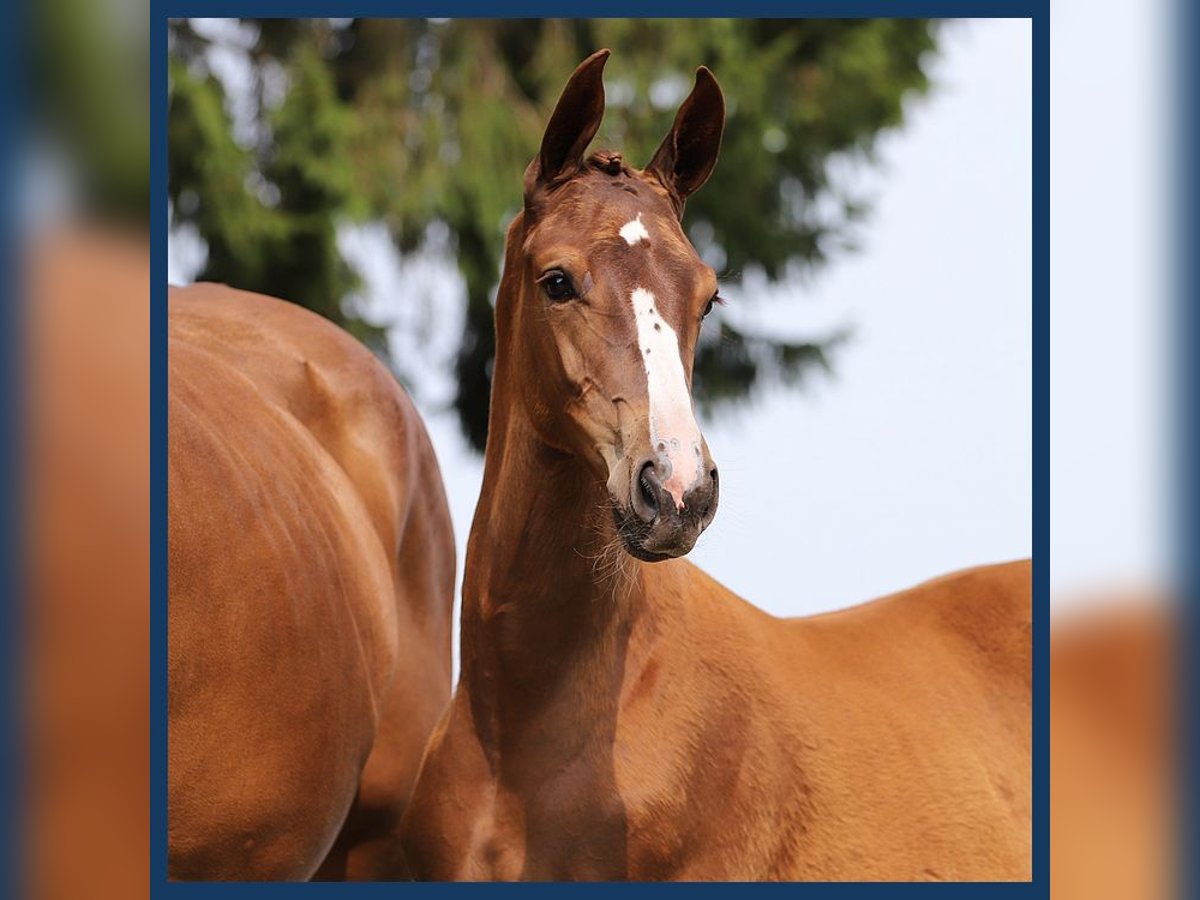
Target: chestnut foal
(622, 715)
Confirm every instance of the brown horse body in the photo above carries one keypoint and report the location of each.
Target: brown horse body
(622, 715)
(311, 583)
(1114, 764)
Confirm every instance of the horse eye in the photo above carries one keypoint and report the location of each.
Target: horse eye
(558, 286)
(709, 307)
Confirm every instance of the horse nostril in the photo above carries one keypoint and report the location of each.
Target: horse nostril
(648, 492)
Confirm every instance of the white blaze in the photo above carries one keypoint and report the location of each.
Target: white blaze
(634, 231)
(674, 435)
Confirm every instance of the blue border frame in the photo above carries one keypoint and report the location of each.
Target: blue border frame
(158, 447)
(1035, 10)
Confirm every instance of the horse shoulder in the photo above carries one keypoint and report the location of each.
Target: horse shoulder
(708, 761)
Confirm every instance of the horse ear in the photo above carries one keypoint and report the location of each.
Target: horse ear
(573, 124)
(686, 157)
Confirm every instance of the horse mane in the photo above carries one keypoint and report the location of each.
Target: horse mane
(610, 162)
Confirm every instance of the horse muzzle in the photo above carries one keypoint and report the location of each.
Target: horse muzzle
(657, 524)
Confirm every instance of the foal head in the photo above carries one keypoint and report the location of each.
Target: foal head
(601, 307)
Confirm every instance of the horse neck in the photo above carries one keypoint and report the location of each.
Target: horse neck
(546, 582)
(549, 595)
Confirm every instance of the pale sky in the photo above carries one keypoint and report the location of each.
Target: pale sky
(1111, 93)
(914, 458)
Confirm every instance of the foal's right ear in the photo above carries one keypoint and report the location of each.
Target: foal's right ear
(572, 126)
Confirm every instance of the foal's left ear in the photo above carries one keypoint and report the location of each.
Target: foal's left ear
(686, 157)
(573, 124)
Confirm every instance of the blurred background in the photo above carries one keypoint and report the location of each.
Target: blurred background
(79, 192)
(867, 388)
(871, 214)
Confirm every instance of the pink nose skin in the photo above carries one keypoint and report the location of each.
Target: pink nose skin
(678, 469)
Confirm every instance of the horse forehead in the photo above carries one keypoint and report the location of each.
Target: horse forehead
(601, 204)
(654, 252)
(616, 244)
(643, 237)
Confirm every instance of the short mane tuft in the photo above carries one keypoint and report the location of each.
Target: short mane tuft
(608, 161)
